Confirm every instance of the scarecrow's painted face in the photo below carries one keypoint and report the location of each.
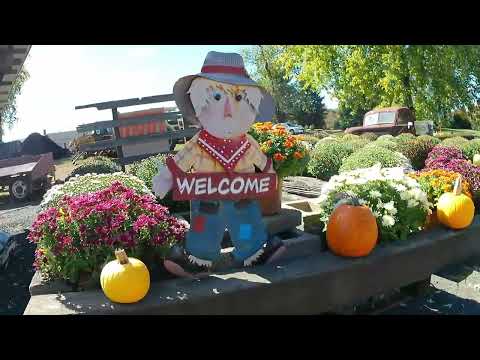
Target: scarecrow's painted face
(224, 110)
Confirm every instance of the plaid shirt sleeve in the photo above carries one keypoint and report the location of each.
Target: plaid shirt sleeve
(259, 159)
(187, 156)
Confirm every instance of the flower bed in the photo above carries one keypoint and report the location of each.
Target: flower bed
(470, 149)
(371, 155)
(327, 158)
(452, 159)
(95, 165)
(396, 200)
(80, 234)
(436, 182)
(416, 150)
(89, 183)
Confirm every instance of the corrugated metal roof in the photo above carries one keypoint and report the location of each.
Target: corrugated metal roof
(12, 58)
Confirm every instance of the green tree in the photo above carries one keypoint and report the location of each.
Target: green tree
(8, 113)
(308, 108)
(349, 117)
(433, 80)
(294, 101)
(461, 120)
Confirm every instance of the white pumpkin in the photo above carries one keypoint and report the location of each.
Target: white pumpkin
(476, 159)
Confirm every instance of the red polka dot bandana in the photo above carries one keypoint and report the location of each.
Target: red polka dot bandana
(226, 151)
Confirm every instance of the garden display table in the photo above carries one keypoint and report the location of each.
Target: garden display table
(309, 282)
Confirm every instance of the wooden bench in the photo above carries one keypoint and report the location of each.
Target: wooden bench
(173, 119)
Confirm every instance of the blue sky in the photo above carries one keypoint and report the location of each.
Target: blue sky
(64, 76)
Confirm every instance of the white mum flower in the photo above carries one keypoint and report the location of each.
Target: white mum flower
(390, 207)
(356, 181)
(394, 173)
(388, 220)
(375, 194)
(412, 203)
(322, 198)
(400, 188)
(404, 195)
(418, 194)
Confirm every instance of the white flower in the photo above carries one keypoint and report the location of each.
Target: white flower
(356, 181)
(323, 198)
(404, 195)
(388, 220)
(375, 194)
(390, 207)
(412, 203)
(400, 188)
(394, 173)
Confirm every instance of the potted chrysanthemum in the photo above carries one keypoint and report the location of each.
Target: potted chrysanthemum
(288, 153)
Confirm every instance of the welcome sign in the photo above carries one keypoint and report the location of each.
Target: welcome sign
(223, 186)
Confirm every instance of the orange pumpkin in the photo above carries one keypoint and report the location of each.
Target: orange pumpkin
(352, 229)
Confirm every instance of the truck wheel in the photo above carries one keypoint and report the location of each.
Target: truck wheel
(20, 189)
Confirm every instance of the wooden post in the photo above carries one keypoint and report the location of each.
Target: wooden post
(116, 131)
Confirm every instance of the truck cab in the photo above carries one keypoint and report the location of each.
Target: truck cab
(393, 121)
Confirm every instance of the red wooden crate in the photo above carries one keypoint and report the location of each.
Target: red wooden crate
(151, 127)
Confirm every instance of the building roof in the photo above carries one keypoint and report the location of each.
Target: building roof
(12, 58)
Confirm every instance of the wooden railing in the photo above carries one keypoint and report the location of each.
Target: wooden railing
(117, 141)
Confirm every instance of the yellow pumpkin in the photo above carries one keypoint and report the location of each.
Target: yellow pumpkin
(455, 209)
(476, 159)
(125, 280)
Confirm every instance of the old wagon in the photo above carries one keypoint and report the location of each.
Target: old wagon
(23, 175)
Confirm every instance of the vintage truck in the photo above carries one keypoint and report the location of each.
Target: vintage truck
(393, 121)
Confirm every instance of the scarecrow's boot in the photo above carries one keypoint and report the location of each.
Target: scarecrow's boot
(177, 264)
(274, 250)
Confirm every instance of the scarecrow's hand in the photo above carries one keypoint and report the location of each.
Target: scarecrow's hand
(162, 182)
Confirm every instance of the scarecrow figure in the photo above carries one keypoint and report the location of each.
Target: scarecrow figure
(226, 102)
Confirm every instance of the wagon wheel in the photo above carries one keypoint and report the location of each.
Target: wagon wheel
(20, 189)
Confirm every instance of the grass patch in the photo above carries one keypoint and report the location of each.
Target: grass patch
(446, 133)
(63, 167)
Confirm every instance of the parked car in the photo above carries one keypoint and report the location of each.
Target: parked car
(293, 128)
(393, 121)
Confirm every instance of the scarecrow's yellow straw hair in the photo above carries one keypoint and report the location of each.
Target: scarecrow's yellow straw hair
(202, 91)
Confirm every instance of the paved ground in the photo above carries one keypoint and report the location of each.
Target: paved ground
(446, 298)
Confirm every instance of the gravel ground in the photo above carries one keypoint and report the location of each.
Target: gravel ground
(15, 220)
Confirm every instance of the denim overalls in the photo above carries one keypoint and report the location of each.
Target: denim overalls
(209, 219)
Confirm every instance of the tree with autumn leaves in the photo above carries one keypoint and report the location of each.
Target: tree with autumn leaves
(294, 102)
